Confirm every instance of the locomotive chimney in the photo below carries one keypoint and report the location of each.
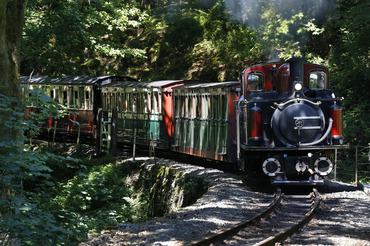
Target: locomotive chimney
(296, 76)
(296, 69)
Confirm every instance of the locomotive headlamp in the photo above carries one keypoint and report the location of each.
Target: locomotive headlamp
(298, 86)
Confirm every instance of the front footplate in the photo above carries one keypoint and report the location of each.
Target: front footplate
(298, 182)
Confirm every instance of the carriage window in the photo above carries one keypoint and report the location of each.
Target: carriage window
(255, 81)
(134, 103)
(115, 101)
(110, 101)
(224, 107)
(208, 114)
(139, 102)
(177, 103)
(124, 102)
(186, 107)
(81, 100)
(159, 102)
(182, 103)
(154, 102)
(203, 98)
(87, 101)
(104, 101)
(119, 102)
(65, 97)
(128, 102)
(199, 107)
(194, 106)
(76, 99)
(317, 80)
(145, 103)
(70, 96)
(55, 94)
(149, 100)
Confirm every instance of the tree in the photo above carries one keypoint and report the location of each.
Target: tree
(21, 222)
(144, 39)
(11, 25)
(198, 40)
(81, 37)
(284, 27)
(349, 64)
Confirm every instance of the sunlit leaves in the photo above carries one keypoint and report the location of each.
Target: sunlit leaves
(64, 37)
(284, 27)
(311, 27)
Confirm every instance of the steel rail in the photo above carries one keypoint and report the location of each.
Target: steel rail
(235, 229)
(290, 231)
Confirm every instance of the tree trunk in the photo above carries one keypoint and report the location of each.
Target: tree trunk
(11, 25)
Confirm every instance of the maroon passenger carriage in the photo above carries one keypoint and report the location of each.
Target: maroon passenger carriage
(290, 122)
(81, 95)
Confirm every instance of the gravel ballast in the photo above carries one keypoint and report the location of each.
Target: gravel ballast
(343, 218)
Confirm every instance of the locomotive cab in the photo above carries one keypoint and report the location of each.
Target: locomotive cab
(290, 122)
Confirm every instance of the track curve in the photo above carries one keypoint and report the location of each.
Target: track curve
(285, 215)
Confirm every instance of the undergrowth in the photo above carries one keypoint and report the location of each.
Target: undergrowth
(94, 199)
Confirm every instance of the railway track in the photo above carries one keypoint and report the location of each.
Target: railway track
(285, 215)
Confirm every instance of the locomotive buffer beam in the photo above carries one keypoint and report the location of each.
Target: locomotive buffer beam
(291, 148)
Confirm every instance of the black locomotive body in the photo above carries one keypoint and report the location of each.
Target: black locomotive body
(290, 122)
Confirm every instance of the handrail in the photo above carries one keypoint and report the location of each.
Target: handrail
(297, 100)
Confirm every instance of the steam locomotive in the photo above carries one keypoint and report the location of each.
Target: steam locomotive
(291, 123)
(280, 118)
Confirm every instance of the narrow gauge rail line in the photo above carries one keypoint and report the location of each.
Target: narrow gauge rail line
(284, 216)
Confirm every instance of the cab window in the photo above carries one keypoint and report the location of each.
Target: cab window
(317, 80)
(255, 81)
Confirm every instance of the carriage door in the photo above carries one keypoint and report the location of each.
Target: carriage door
(156, 115)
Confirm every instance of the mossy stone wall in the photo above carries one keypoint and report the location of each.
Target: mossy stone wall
(164, 189)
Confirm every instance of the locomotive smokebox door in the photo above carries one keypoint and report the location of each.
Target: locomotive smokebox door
(291, 128)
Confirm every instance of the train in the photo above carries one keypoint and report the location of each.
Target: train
(280, 118)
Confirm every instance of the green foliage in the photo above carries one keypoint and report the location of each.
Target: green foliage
(349, 64)
(21, 165)
(284, 27)
(80, 37)
(200, 41)
(186, 39)
(91, 201)
(93, 190)
(194, 187)
(347, 168)
(225, 48)
(40, 107)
